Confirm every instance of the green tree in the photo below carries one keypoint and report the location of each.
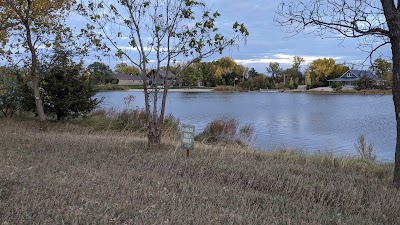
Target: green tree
(297, 61)
(252, 72)
(383, 69)
(100, 72)
(377, 20)
(308, 79)
(124, 68)
(26, 26)
(274, 69)
(294, 71)
(159, 30)
(365, 83)
(209, 77)
(291, 83)
(191, 75)
(10, 91)
(67, 88)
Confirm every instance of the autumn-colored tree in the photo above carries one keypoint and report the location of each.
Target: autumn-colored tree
(339, 70)
(240, 71)
(124, 68)
(321, 69)
(26, 26)
(227, 65)
(158, 30)
(217, 71)
(230, 70)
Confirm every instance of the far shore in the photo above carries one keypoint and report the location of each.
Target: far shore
(182, 90)
(300, 89)
(321, 90)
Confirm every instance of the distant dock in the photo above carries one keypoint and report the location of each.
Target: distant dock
(271, 90)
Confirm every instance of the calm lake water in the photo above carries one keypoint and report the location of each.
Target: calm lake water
(309, 122)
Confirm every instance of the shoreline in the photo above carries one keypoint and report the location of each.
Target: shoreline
(321, 90)
(192, 90)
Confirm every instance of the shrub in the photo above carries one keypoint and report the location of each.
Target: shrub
(224, 88)
(131, 120)
(226, 131)
(364, 151)
(336, 86)
(10, 92)
(364, 83)
(110, 87)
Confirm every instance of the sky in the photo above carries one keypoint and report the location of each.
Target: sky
(268, 42)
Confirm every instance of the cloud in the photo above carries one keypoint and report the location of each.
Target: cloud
(147, 49)
(267, 41)
(284, 59)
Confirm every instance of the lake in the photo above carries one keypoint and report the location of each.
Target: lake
(309, 122)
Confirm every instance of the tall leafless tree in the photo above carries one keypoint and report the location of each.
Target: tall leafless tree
(375, 23)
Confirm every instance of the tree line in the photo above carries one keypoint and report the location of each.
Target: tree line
(225, 71)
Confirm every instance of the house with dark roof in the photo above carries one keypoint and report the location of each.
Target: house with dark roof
(352, 76)
(162, 76)
(126, 79)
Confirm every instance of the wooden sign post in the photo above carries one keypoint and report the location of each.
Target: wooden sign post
(187, 138)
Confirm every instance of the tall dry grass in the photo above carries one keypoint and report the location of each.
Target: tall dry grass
(79, 175)
(226, 131)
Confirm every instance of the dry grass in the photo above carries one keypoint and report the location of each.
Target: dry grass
(77, 175)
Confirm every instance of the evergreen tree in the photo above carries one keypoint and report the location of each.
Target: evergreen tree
(67, 88)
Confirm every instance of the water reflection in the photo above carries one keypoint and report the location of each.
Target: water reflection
(304, 121)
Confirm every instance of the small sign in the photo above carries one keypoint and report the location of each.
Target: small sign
(187, 137)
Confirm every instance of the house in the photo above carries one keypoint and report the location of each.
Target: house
(126, 79)
(162, 75)
(352, 76)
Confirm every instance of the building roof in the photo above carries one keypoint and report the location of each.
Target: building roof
(162, 74)
(362, 73)
(122, 76)
(354, 75)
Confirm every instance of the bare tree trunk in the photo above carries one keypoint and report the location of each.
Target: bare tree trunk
(35, 80)
(38, 102)
(396, 100)
(154, 136)
(393, 21)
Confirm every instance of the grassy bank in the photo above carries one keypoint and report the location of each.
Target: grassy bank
(79, 175)
(347, 91)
